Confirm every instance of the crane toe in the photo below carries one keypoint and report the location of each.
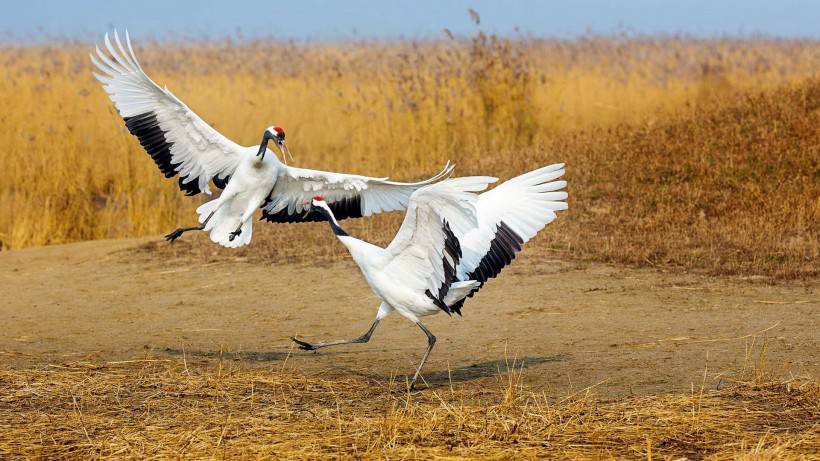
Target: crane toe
(171, 237)
(234, 234)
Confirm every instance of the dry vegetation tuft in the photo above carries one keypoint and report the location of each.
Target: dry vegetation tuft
(732, 187)
(695, 154)
(168, 408)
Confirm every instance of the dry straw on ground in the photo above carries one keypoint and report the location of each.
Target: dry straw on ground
(167, 408)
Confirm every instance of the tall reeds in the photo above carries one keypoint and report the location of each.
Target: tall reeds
(493, 105)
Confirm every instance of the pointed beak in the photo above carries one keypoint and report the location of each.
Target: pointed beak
(308, 212)
(284, 148)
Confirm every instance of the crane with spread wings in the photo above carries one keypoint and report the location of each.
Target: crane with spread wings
(183, 145)
(451, 242)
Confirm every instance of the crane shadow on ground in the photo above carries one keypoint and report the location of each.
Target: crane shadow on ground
(472, 372)
(489, 368)
(435, 378)
(250, 356)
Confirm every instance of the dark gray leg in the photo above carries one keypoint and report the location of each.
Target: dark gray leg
(360, 340)
(431, 341)
(178, 233)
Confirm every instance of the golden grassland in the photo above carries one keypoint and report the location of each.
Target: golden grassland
(696, 154)
(160, 408)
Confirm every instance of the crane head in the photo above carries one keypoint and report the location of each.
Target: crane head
(277, 134)
(319, 205)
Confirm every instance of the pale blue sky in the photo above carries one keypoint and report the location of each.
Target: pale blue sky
(43, 20)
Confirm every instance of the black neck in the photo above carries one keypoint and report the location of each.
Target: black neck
(337, 229)
(333, 224)
(264, 144)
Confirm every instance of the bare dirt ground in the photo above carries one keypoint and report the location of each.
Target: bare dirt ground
(625, 331)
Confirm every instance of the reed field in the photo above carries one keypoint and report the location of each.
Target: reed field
(696, 154)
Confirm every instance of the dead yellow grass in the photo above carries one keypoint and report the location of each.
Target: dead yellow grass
(728, 187)
(670, 161)
(157, 408)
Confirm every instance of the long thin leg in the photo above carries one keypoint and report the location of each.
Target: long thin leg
(360, 340)
(178, 233)
(431, 341)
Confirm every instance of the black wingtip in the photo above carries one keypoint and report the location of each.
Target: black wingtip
(151, 136)
(501, 253)
(221, 182)
(439, 303)
(459, 304)
(349, 207)
(190, 188)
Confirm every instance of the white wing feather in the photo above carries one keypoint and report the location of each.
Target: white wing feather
(295, 187)
(418, 250)
(524, 204)
(198, 152)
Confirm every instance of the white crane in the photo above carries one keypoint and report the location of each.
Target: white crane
(182, 144)
(450, 243)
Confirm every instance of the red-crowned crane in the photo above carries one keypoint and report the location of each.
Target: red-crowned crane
(183, 145)
(450, 243)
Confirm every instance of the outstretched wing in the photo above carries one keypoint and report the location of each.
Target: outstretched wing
(426, 251)
(348, 195)
(508, 217)
(173, 135)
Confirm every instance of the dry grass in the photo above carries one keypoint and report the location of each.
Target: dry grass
(675, 156)
(731, 187)
(169, 408)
